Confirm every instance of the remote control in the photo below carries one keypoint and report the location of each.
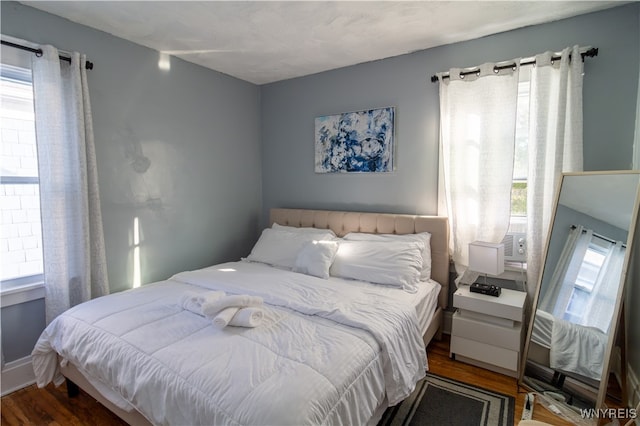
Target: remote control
(491, 290)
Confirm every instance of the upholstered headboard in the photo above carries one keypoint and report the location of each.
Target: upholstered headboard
(342, 223)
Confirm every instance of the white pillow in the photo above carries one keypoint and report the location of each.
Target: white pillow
(280, 248)
(394, 263)
(315, 258)
(301, 230)
(423, 237)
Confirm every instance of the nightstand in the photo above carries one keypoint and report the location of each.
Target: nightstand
(487, 330)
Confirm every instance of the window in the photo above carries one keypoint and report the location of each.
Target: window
(592, 263)
(21, 232)
(520, 161)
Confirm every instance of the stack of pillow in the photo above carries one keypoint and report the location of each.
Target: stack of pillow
(388, 259)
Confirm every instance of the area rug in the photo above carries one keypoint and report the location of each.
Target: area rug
(438, 400)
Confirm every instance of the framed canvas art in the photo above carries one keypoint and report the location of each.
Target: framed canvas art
(360, 141)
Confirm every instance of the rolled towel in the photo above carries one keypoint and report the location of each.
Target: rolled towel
(210, 309)
(224, 317)
(189, 302)
(247, 317)
(209, 296)
(192, 301)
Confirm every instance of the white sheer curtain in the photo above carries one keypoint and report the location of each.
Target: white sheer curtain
(599, 312)
(74, 254)
(555, 144)
(556, 294)
(477, 132)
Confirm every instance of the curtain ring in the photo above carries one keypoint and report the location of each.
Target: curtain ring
(478, 73)
(514, 67)
(496, 70)
(461, 76)
(38, 53)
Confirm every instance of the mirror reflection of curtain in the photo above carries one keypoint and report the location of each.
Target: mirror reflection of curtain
(558, 292)
(584, 285)
(599, 311)
(555, 144)
(477, 132)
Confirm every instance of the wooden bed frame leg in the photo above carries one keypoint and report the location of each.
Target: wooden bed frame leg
(72, 389)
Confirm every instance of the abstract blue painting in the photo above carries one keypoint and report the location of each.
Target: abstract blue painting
(360, 141)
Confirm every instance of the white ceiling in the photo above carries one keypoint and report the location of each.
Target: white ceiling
(267, 41)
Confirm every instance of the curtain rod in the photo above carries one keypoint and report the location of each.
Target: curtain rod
(602, 237)
(588, 52)
(38, 52)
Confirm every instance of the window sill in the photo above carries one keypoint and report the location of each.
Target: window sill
(15, 295)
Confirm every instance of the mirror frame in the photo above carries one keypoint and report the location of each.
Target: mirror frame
(602, 390)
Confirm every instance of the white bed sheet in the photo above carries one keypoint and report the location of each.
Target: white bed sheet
(542, 328)
(291, 359)
(577, 349)
(572, 348)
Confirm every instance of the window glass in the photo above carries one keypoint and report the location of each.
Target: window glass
(21, 231)
(582, 293)
(520, 160)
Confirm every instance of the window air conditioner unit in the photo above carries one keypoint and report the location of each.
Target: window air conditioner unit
(515, 247)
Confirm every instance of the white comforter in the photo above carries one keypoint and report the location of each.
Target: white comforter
(327, 351)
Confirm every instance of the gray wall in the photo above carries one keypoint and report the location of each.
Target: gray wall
(289, 109)
(199, 201)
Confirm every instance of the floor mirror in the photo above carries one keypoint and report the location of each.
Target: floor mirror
(579, 295)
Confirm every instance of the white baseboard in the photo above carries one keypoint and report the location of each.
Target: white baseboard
(16, 375)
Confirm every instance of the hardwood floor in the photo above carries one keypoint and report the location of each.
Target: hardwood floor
(51, 406)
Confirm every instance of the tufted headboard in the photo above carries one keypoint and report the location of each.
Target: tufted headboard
(342, 223)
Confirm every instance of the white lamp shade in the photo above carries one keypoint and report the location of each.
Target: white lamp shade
(486, 258)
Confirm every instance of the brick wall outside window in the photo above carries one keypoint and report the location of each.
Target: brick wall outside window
(20, 229)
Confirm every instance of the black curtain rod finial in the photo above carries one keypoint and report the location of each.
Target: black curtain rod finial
(592, 53)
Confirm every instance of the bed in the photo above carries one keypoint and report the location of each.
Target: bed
(567, 348)
(329, 350)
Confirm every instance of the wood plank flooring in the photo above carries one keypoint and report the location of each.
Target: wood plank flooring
(51, 406)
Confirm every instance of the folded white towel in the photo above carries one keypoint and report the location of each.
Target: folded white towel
(224, 317)
(247, 317)
(209, 296)
(188, 302)
(211, 309)
(192, 301)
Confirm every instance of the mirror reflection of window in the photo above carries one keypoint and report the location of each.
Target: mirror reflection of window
(588, 293)
(584, 296)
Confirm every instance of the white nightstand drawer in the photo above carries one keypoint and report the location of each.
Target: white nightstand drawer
(491, 334)
(508, 305)
(488, 354)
